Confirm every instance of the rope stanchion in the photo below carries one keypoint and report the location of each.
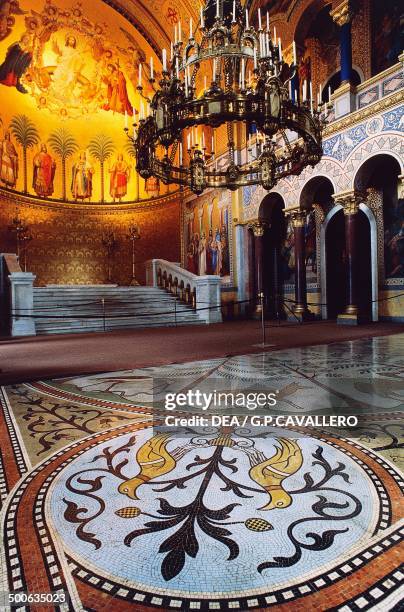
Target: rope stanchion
(122, 315)
(127, 315)
(103, 313)
(391, 297)
(261, 296)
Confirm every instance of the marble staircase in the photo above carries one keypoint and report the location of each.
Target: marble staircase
(60, 309)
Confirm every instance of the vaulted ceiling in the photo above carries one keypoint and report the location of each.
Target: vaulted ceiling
(156, 19)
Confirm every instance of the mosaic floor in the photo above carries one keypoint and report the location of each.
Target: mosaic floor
(101, 502)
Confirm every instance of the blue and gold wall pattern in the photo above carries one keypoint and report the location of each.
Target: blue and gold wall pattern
(344, 154)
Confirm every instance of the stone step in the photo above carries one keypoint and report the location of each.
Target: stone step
(84, 326)
(80, 309)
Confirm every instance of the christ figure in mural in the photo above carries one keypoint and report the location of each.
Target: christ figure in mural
(44, 172)
(8, 162)
(120, 173)
(82, 178)
(67, 74)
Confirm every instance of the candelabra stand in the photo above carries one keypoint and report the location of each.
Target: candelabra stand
(22, 236)
(25, 239)
(133, 236)
(109, 243)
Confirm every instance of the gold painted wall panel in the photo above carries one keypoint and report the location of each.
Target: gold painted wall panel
(67, 241)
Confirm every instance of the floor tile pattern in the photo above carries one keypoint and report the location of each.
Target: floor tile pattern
(101, 501)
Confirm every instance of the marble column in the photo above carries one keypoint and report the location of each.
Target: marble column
(241, 268)
(344, 96)
(350, 203)
(342, 16)
(258, 228)
(298, 223)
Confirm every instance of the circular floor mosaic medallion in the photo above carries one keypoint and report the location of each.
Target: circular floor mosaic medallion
(211, 514)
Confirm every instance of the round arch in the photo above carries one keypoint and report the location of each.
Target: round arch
(381, 172)
(269, 203)
(368, 213)
(316, 190)
(373, 147)
(375, 169)
(271, 212)
(323, 259)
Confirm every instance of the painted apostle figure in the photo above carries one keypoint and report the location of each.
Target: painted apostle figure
(82, 178)
(120, 173)
(8, 162)
(18, 59)
(44, 172)
(117, 94)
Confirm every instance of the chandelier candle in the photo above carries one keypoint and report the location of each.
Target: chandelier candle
(184, 110)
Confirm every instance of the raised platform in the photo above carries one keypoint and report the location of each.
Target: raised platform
(65, 309)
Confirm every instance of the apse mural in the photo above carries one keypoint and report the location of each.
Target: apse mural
(68, 81)
(8, 10)
(207, 238)
(69, 64)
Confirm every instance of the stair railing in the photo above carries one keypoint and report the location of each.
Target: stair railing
(201, 293)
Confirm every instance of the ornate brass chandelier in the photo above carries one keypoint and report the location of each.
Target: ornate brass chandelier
(227, 73)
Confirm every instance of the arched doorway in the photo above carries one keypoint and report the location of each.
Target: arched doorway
(317, 191)
(364, 267)
(380, 174)
(335, 293)
(272, 215)
(335, 265)
(251, 281)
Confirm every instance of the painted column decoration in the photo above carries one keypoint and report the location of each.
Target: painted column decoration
(342, 16)
(258, 228)
(298, 222)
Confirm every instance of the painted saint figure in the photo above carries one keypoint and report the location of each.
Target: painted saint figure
(8, 162)
(117, 95)
(196, 254)
(219, 254)
(225, 252)
(18, 59)
(44, 172)
(82, 178)
(120, 173)
(202, 255)
(190, 255)
(210, 263)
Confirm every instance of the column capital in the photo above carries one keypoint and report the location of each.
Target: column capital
(400, 190)
(349, 200)
(298, 218)
(343, 13)
(258, 227)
